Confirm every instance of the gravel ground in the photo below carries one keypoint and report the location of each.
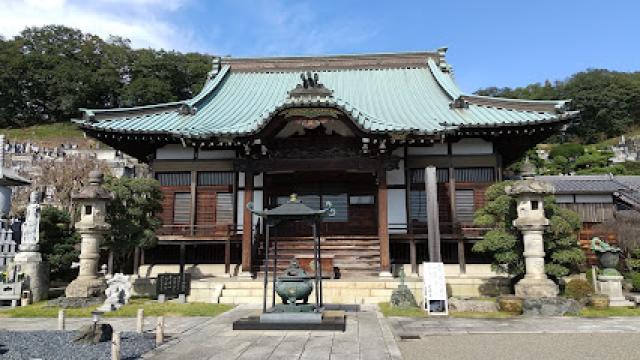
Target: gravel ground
(54, 345)
(622, 346)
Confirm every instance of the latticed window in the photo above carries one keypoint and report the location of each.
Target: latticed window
(224, 208)
(174, 178)
(464, 205)
(182, 208)
(210, 178)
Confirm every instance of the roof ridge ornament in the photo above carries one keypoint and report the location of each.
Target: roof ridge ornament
(186, 109)
(216, 66)
(442, 62)
(310, 87)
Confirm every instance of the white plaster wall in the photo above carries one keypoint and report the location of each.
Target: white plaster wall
(472, 146)
(436, 149)
(241, 179)
(397, 211)
(240, 210)
(257, 204)
(396, 177)
(258, 180)
(175, 152)
(216, 154)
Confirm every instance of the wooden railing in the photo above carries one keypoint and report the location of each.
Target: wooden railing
(198, 230)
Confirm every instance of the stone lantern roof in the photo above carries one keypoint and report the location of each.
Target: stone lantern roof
(529, 186)
(94, 190)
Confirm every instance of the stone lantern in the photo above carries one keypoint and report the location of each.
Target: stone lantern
(91, 201)
(532, 222)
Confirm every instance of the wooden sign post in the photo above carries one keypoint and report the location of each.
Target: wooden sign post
(435, 288)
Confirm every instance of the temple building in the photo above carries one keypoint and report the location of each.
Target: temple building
(402, 154)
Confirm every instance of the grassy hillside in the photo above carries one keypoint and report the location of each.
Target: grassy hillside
(48, 134)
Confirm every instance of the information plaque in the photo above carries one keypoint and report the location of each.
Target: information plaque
(172, 284)
(435, 288)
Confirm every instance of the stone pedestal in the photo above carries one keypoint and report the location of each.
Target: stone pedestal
(612, 287)
(36, 274)
(88, 284)
(535, 282)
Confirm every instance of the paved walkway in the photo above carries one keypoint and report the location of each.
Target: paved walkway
(408, 328)
(367, 337)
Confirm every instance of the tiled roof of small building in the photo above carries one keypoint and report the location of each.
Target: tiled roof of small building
(583, 184)
(404, 93)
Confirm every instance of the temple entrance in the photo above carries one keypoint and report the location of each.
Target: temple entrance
(349, 239)
(352, 195)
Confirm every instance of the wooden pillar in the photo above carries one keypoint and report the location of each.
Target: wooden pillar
(110, 263)
(247, 223)
(183, 251)
(383, 226)
(407, 203)
(455, 225)
(227, 255)
(433, 221)
(192, 219)
(136, 260)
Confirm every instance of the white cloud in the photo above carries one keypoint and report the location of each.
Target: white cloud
(144, 22)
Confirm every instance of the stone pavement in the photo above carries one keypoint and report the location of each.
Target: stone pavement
(367, 337)
(411, 328)
(173, 325)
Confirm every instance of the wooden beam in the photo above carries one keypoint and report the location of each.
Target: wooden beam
(433, 221)
(383, 226)
(247, 223)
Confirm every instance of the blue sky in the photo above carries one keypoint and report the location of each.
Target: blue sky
(491, 43)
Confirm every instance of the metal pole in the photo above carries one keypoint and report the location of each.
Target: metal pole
(275, 268)
(319, 265)
(266, 270)
(315, 262)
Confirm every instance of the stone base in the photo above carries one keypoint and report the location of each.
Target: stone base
(385, 274)
(245, 275)
(536, 288)
(612, 287)
(36, 275)
(86, 288)
(291, 318)
(27, 256)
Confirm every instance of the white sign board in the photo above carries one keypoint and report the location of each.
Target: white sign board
(435, 288)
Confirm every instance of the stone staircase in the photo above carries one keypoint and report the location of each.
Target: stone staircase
(345, 291)
(355, 256)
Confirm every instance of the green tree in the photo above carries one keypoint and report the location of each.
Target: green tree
(568, 150)
(132, 216)
(58, 242)
(504, 242)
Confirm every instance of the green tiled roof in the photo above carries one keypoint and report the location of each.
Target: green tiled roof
(387, 98)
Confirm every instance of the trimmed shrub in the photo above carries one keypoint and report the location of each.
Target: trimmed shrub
(635, 281)
(578, 289)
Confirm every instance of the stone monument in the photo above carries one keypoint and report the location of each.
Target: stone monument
(531, 221)
(29, 259)
(92, 201)
(609, 280)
